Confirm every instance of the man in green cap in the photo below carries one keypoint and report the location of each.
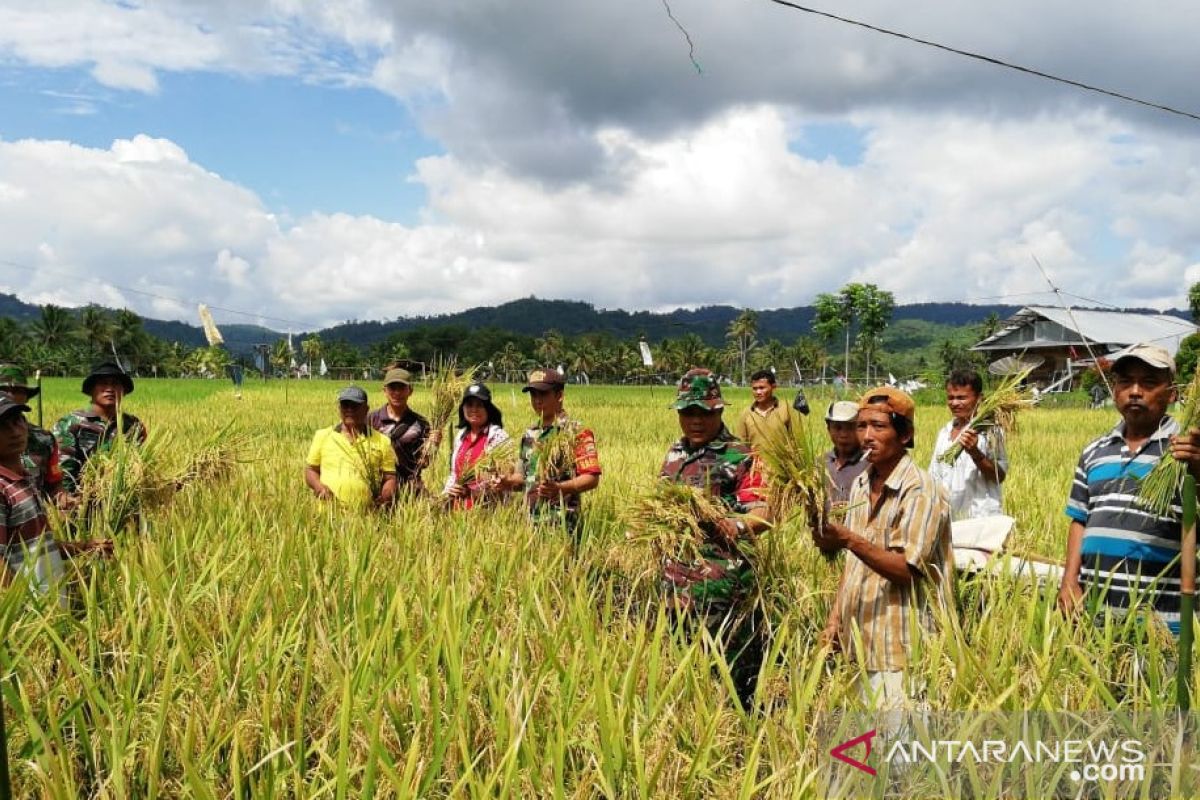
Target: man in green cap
(41, 458)
(86, 431)
(406, 429)
(718, 588)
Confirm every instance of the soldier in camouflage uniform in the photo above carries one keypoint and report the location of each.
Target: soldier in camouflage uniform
(556, 499)
(718, 589)
(92, 429)
(41, 459)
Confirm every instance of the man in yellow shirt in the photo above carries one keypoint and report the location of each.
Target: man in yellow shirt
(767, 416)
(351, 461)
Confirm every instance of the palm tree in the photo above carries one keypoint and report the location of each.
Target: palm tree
(54, 327)
(741, 335)
(549, 349)
(12, 339)
(311, 347)
(507, 360)
(96, 329)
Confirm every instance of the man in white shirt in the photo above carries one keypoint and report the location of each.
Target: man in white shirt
(973, 480)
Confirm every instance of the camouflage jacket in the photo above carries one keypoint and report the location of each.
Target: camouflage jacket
(725, 468)
(83, 432)
(41, 460)
(584, 461)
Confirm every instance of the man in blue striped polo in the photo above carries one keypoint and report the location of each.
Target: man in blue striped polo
(1117, 551)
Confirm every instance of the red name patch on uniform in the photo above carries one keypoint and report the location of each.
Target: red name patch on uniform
(587, 459)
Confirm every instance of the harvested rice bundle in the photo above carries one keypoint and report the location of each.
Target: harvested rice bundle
(446, 389)
(794, 472)
(554, 452)
(1163, 484)
(500, 460)
(997, 408)
(121, 481)
(674, 519)
(215, 457)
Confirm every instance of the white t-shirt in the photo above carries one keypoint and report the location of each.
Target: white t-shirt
(971, 494)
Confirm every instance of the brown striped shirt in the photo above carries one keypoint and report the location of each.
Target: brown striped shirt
(912, 516)
(22, 517)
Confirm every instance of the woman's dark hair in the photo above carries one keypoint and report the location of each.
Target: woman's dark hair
(966, 377)
(494, 415)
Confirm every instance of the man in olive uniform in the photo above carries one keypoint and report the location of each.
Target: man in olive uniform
(41, 459)
(406, 429)
(91, 429)
(718, 589)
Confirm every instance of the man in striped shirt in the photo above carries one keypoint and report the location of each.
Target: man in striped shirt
(1118, 552)
(900, 563)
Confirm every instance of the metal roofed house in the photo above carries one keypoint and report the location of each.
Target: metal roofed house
(1058, 336)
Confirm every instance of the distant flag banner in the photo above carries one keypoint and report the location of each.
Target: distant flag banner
(647, 359)
(324, 370)
(210, 327)
(291, 350)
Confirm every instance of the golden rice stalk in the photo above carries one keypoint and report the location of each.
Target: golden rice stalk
(498, 461)
(554, 453)
(446, 388)
(366, 464)
(997, 408)
(674, 520)
(1164, 483)
(793, 470)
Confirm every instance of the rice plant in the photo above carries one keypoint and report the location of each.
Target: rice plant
(997, 408)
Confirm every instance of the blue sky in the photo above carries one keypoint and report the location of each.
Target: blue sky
(375, 158)
(302, 147)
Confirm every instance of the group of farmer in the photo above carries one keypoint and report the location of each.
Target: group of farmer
(893, 519)
(396, 443)
(39, 468)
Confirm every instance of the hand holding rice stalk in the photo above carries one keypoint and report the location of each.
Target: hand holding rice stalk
(675, 520)
(554, 453)
(446, 388)
(997, 408)
(366, 463)
(494, 463)
(794, 471)
(1164, 483)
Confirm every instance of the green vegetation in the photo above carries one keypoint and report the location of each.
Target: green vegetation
(253, 642)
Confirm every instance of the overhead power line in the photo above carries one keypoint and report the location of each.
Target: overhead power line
(990, 60)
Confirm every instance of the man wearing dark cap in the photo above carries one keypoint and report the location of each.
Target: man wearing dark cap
(86, 431)
(351, 461)
(718, 589)
(899, 565)
(41, 457)
(406, 429)
(554, 499)
(25, 540)
(1120, 554)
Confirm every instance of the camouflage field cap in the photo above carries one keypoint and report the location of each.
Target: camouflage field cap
(13, 376)
(699, 388)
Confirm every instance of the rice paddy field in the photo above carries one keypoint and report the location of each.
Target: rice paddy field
(249, 641)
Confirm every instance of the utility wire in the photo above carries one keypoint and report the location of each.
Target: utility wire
(990, 60)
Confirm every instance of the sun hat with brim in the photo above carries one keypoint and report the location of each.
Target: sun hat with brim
(1151, 355)
(13, 377)
(897, 401)
(8, 405)
(842, 411)
(545, 380)
(107, 369)
(397, 375)
(698, 388)
(352, 394)
(480, 392)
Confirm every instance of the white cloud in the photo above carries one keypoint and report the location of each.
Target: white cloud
(939, 208)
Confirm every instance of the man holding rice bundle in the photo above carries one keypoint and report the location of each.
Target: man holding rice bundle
(28, 548)
(1121, 553)
(351, 461)
(86, 431)
(41, 458)
(900, 566)
(973, 479)
(718, 589)
(407, 430)
(558, 458)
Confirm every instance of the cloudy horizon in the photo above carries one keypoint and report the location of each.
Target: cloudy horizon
(379, 159)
